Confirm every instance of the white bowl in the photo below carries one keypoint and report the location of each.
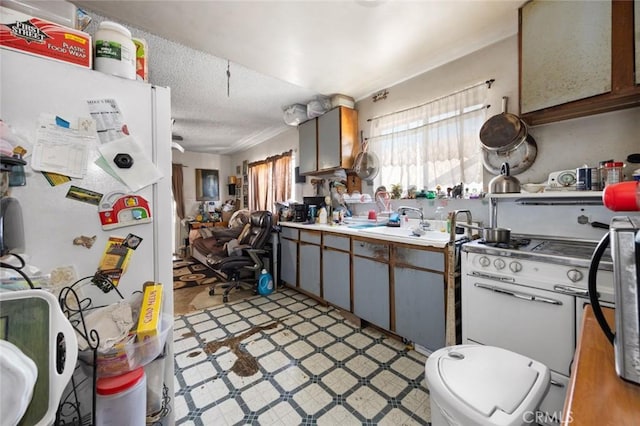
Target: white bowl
(533, 187)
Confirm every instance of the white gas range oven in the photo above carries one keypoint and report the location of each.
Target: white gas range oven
(528, 296)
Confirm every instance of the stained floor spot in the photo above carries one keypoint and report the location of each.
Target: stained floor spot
(246, 364)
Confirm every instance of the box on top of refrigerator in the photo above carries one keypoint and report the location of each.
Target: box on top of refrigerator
(39, 37)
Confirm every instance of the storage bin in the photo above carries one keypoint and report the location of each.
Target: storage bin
(129, 356)
(60, 12)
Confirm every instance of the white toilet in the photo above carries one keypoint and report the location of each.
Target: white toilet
(484, 385)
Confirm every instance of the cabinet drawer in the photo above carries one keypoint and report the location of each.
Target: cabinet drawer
(291, 233)
(310, 237)
(337, 242)
(420, 258)
(376, 251)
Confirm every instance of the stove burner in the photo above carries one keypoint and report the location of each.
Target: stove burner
(514, 243)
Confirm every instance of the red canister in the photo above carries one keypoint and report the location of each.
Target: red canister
(622, 197)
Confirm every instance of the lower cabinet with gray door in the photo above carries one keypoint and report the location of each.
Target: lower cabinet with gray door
(371, 300)
(289, 256)
(336, 270)
(420, 306)
(419, 296)
(309, 252)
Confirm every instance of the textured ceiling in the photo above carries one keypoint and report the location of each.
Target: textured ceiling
(283, 52)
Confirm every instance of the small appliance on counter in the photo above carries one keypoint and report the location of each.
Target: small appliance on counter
(299, 212)
(309, 202)
(624, 237)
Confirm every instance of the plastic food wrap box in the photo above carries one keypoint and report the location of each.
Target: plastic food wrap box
(46, 39)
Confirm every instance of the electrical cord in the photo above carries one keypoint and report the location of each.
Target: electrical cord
(593, 293)
(19, 269)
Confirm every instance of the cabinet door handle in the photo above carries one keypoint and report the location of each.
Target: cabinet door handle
(519, 295)
(557, 384)
(492, 277)
(573, 291)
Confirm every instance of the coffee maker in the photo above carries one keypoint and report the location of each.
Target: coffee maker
(624, 238)
(299, 212)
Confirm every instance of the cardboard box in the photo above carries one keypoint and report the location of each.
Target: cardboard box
(150, 310)
(38, 37)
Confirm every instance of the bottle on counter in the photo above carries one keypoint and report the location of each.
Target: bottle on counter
(322, 216)
(613, 172)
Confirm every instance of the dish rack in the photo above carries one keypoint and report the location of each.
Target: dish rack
(74, 409)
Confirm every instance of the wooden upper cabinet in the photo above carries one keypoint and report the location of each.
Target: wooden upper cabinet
(328, 142)
(576, 59)
(337, 138)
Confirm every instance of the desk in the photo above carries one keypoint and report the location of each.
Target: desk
(596, 395)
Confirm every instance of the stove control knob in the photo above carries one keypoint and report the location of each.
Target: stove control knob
(515, 266)
(574, 275)
(484, 261)
(499, 264)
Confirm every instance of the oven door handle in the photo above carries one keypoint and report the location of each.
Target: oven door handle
(492, 277)
(519, 295)
(572, 291)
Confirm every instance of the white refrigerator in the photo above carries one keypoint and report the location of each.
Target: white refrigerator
(32, 87)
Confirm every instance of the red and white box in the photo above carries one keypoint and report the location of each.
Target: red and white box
(39, 37)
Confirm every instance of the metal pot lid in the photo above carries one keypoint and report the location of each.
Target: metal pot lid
(519, 159)
(367, 165)
(502, 132)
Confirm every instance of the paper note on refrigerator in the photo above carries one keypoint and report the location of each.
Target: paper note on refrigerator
(110, 123)
(141, 172)
(61, 150)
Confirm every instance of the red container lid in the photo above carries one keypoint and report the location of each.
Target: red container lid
(622, 197)
(117, 384)
(614, 164)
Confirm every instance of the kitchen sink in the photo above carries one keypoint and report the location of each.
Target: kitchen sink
(366, 225)
(433, 235)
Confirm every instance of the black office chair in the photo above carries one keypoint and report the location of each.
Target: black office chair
(244, 256)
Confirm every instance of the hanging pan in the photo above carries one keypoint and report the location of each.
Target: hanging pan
(503, 132)
(519, 158)
(366, 164)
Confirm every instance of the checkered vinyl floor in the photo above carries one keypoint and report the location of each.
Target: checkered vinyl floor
(313, 368)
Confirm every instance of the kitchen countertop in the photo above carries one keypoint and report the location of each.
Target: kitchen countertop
(596, 395)
(431, 238)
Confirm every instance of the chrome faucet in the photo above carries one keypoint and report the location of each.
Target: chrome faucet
(454, 218)
(404, 209)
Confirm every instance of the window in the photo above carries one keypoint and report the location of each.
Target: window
(436, 143)
(270, 180)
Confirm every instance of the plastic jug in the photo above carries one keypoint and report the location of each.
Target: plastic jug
(265, 283)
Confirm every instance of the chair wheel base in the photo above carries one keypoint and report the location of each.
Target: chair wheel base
(225, 299)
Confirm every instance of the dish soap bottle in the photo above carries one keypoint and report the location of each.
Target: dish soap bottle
(322, 216)
(441, 217)
(265, 283)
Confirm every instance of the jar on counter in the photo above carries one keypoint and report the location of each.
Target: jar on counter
(612, 172)
(114, 50)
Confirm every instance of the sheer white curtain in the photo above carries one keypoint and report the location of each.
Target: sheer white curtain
(432, 144)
